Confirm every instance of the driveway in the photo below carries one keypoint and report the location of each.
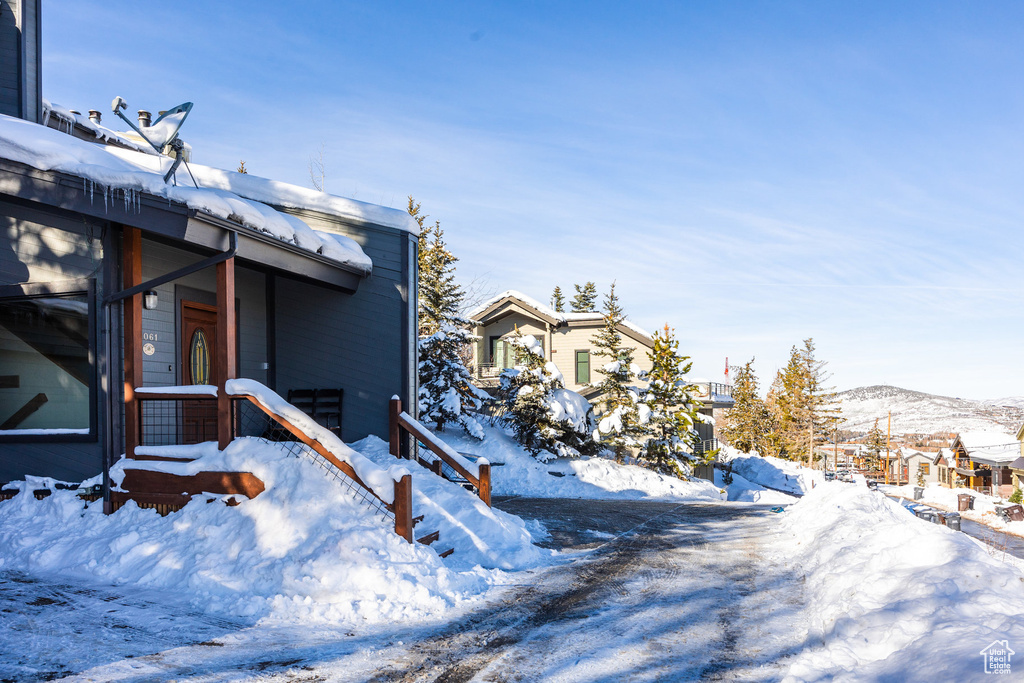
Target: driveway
(643, 592)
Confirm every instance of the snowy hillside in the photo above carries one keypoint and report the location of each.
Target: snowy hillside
(915, 412)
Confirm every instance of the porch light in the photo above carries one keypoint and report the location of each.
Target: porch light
(149, 299)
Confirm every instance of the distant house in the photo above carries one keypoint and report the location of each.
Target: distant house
(116, 285)
(983, 461)
(945, 463)
(567, 340)
(914, 462)
(1017, 466)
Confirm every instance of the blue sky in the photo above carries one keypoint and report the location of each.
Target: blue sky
(750, 173)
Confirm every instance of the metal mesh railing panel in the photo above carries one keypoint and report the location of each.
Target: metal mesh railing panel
(252, 422)
(171, 422)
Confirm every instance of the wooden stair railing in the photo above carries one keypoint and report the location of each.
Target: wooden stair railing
(399, 420)
(402, 506)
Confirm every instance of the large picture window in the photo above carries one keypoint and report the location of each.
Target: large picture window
(46, 369)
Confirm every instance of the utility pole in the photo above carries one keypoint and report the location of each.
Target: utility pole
(835, 451)
(888, 435)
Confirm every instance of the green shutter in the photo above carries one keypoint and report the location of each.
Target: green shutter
(582, 367)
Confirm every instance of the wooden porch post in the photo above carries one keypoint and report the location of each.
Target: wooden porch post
(394, 434)
(131, 251)
(485, 483)
(403, 507)
(227, 334)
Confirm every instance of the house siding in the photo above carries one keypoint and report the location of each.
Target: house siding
(160, 325)
(360, 343)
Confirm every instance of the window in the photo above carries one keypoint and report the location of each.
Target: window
(504, 355)
(924, 468)
(582, 367)
(47, 379)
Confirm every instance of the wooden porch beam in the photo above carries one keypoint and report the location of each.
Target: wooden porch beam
(131, 266)
(227, 343)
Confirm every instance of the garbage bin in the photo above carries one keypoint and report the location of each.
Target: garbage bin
(953, 520)
(918, 492)
(1015, 513)
(965, 501)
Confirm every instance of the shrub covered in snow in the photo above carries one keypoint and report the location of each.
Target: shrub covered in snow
(546, 418)
(447, 394)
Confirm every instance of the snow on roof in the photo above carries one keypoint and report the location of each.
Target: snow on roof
(238, 197)
(994, 446)
(550, 312)
(70, 119)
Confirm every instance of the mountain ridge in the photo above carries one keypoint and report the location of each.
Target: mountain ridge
(918, 412)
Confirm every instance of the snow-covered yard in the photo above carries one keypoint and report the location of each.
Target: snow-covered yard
(843, 585)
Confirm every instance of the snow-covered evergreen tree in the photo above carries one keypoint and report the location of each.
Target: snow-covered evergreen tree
(623, 418)
(546, 418)
(558, 300)
(585, 300)
(672, 409)
(446, 395)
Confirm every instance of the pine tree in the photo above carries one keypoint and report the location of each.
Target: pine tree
(241, 168)
(585, 300)
(622, 423)
(672, 409)
(557, 300)
(748, 425)
(440, 296)
(875, 444)
(804, 408)
(447, 394)
(546, 418)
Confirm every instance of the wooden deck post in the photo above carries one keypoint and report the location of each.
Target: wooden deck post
(131, 266)
(394, 433)
(403, 507)
(484, 490)
(227, 335)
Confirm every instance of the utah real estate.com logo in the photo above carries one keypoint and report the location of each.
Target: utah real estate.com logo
(997, 657)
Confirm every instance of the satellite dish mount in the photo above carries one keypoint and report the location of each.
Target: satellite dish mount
(162, 135)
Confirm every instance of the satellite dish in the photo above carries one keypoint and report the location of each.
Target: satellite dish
(163, 132)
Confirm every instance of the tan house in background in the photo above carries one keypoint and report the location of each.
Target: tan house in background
(568, 341)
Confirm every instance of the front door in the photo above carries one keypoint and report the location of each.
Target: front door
(198, 366)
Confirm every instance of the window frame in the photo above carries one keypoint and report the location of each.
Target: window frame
(37, 290)
(576, 365)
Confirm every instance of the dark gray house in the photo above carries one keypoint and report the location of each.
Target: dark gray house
(112, 280)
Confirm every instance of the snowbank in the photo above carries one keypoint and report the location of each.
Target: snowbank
(594, 478)
(480, 534)
(742, 490)
(303, 550)
(775, 473)
(890, 597)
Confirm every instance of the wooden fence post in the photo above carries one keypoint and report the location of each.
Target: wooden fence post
(394, 409)
(403, 507)
(484, 476)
